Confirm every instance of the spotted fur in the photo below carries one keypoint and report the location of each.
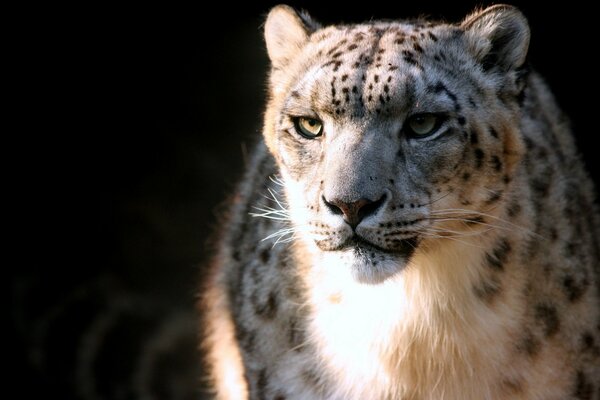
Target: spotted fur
(371, 263)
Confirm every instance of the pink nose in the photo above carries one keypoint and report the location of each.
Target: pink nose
(355, 211)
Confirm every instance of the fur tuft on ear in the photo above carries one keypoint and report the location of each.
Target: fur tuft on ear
(286, 32)
(499, 36)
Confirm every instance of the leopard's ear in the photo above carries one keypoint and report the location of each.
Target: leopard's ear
(498, 36)
(286, 32)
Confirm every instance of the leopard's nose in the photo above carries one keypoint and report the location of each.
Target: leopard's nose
(354, 212)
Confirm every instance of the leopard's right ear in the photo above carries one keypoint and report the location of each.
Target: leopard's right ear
(286, 32)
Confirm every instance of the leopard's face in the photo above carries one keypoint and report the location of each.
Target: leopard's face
(390, 137)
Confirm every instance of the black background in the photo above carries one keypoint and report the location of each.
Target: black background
(132, 124)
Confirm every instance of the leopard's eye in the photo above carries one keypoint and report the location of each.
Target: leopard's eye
(422, 125)
(308, 127)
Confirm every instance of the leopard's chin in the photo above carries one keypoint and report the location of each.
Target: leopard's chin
(371, 264)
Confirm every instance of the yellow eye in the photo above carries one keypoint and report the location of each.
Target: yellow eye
(308, 127)
(422, 125)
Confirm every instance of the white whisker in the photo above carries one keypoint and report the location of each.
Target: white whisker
(467, 221)
(277, 180)
(436, 200)
(433, 235)
(465, 214)
(460, 233)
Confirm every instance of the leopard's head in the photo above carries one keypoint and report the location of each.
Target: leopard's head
(390, 136)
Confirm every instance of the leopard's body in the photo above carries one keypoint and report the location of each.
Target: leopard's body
(394, 261)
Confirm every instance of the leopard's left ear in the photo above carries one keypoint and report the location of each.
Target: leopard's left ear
(286, 32)
(498, 36)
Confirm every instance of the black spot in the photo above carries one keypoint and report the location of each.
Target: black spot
(417, 47)
(529, 344)
(386, 88)
(311, 378)
(381, 99)
(541, 183)
(472, 102)
(399, 40)
(494, 197)
(514, 209)
(433, 37)
(410, 60)
(583, 388)
(265, 308)
(546, 314)
(475, 220)
(496, 163)
(513, 386)
(328, 63)
(488, 290)
(528, 143)
(542, 153)
(440, 87)
(376, 78)
(336, 55)
(588, 344)
(493, 132)
(479, 155)
(499, 255)
(346, 92)
(473, 137)
(265, 255)
(352, 47)
(354, 89)
(261, 384)
(461, 120)
(574, 290)
(570, 249)
(466, 176)
(246, 338)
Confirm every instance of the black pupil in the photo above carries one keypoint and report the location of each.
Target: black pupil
(312, 122)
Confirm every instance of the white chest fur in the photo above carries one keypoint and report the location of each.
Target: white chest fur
(421, 335)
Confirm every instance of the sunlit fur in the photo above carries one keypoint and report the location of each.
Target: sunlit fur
(475, 276)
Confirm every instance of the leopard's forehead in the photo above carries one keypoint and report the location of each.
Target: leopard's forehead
(377, 68)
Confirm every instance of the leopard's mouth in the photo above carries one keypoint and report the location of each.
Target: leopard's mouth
(363, 248)
(373, 264)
